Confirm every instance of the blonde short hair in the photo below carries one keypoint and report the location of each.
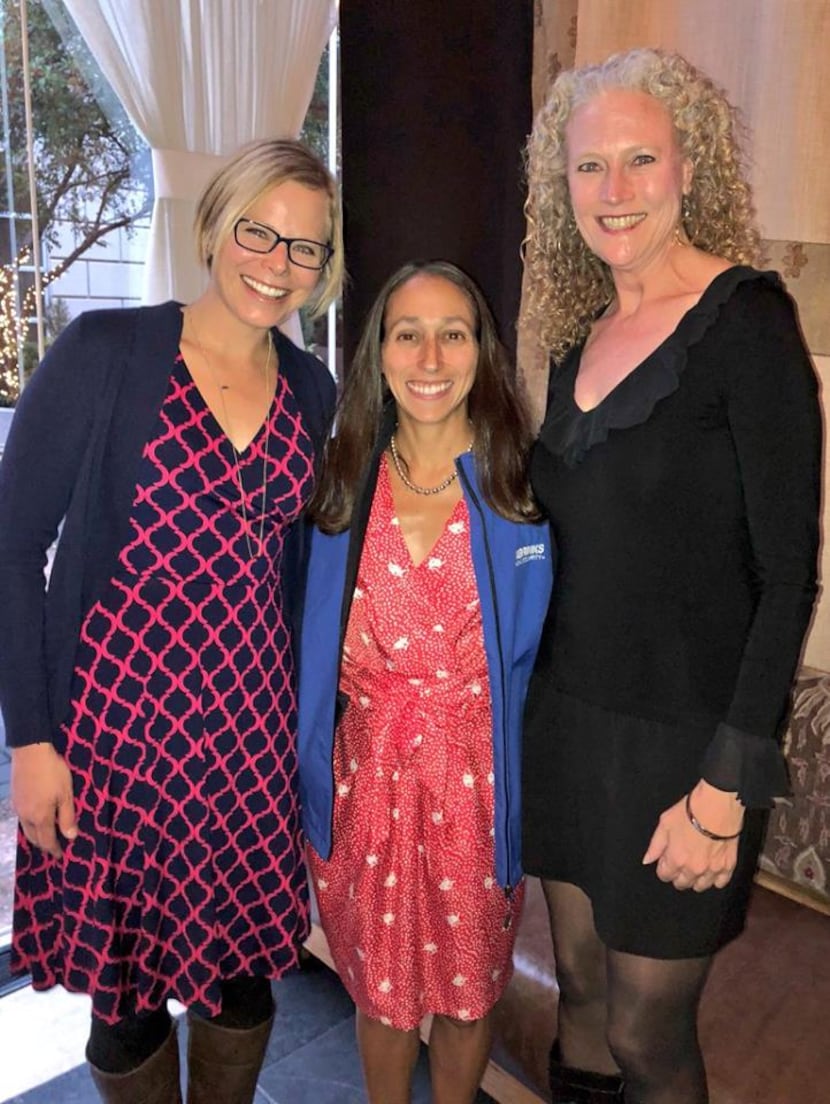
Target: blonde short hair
(253, 171)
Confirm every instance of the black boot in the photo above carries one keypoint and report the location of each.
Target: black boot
(576, 1086)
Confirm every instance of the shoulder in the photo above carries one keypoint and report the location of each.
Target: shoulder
(98, 326)
(764, 320)
(117, 319)
(742, 309)
(757, 339)
(83, 347)
(106, 327)
(741, 289)
(103, 345)
(308, 377)
(298, 362)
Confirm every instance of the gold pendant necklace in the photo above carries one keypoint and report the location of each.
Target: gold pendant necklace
(442, 486)
(246, 521)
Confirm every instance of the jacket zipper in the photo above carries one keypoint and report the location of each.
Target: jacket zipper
(361, 509)
(508, 889)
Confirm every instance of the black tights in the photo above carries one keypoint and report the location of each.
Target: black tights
(625, 1012)
(126, 1045)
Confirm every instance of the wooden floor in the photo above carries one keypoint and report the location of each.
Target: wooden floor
(765, 1016)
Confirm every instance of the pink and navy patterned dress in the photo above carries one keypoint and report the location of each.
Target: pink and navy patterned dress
(409, 901)
(181, 736)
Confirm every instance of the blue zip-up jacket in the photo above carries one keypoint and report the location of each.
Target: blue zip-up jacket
(513, 564)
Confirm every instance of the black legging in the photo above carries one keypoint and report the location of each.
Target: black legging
(126, 1045)
(626, 1011)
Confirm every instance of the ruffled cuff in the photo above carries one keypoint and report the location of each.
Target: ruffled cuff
(754, 766)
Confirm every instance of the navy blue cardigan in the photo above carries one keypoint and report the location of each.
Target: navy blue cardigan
(72, 456)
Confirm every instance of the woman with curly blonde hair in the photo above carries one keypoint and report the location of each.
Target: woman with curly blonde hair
(717, 211)
(679, 463)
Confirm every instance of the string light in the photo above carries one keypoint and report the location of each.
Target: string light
(14, 324)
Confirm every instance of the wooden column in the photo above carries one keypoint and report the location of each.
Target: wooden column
(436, 107)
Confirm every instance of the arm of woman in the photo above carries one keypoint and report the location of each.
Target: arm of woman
(772, 405)
(41, 791)
(39, 469)
(687, 857)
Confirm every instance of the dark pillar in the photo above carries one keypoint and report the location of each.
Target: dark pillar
(436, 108)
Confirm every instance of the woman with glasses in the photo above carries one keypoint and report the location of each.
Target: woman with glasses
(148, 695)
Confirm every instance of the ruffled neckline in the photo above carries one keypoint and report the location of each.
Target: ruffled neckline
(570, 432)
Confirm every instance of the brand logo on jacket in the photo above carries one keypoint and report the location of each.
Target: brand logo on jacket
(529, 552)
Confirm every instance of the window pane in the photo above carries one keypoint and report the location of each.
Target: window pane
(92, 176)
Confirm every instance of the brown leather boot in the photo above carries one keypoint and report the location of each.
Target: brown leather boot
(156, 1081)
(223, 1063)
(569, 1085)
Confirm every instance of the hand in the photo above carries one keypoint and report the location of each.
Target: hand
(684, 856)
(42, 796)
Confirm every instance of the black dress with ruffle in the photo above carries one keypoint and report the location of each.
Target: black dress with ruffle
(685, 511)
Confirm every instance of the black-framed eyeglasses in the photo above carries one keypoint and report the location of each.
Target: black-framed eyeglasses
(256, 237)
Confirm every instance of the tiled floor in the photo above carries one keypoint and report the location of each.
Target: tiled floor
(311, 1057)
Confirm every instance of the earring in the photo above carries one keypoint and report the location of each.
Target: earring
(681, 234)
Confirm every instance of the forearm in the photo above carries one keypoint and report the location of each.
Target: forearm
(775, 422)
(24, 692)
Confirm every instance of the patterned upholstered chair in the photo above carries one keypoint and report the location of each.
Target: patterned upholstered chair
(796, 856)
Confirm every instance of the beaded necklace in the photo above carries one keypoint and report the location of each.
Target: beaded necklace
(442, 486)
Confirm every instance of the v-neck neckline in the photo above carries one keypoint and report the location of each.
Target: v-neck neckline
(412, 564)
(240, 452)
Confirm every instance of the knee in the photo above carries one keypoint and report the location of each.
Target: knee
(460, 1028)
(124, 1046)
(580, 976)
(652, 1019)
(247, 1002)
(645, 1044)
(631, 1049)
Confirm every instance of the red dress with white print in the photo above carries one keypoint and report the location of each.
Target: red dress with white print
(409, 901)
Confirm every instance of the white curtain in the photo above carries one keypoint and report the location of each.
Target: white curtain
(199, 78)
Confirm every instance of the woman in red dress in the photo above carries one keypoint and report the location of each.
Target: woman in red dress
(412, 807)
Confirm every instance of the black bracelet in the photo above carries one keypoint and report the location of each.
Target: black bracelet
(698, 827)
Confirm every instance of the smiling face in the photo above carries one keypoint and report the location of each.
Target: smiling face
(626, 178)
(430, 351)
(262, 289)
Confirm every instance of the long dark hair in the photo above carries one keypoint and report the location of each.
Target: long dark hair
(496, 410)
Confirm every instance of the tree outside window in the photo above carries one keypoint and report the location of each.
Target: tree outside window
(92, 176)
(93, 179)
